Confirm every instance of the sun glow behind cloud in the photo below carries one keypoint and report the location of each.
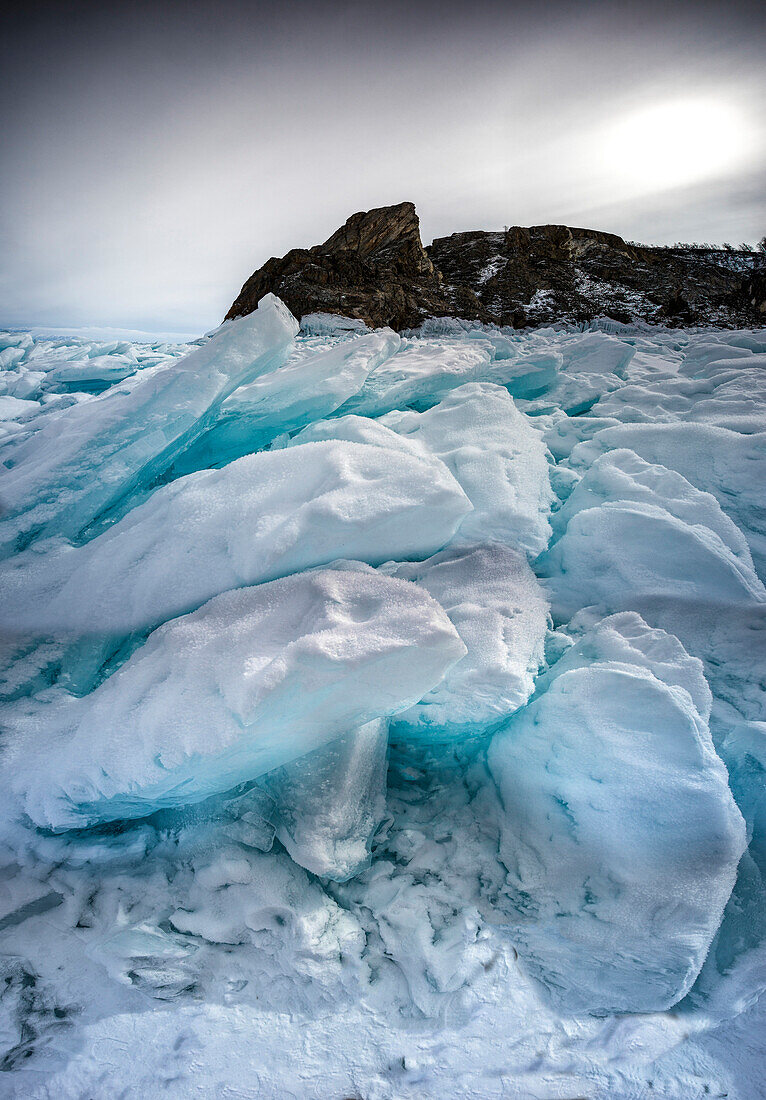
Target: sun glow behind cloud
(676, 143)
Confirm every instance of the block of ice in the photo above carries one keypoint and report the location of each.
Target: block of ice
(492, 450)
(329, 803)
(262, 517)
(419, 375)
(252, 680)
(618, 828)
(498, 458)
(623, 551)
(92, 374)
(304, 389)
(497, 607)
(331, 324)
(727, 464)
(87, 457)
(592, 365)
(622, 475)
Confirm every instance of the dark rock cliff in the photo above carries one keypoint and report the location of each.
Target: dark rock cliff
(375, 268)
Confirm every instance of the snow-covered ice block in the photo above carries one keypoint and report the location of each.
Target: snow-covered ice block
(592, 365)
(727, 464)
(86, 458)
(302, 390)
(622, 475)
(498, 608)
(493, 451)
(623, 551)
(729, 395)
(596, 353)
(498, 457)
(330, 803)
(618, 828)
(251, 681)
(262, 517)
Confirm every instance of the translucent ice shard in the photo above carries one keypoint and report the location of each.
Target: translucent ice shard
(306, 388)
(90, 455)
(329, 803)
(618, 828)
(252, 680)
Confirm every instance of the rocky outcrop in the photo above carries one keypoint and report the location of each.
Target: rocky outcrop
(375, 268)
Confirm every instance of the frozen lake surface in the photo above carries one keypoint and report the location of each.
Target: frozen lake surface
(383, 716)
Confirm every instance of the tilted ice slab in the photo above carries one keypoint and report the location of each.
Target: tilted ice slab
(727, 464)
(491, 448)
(622, 475)
(423, 372)
(251, 681)
(630, 550)
(496, 605)
(88, 457)
(262, 517)
(330, 803)
(302, 390)
(618, 828)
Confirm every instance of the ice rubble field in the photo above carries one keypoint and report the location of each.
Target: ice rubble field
(383, 716)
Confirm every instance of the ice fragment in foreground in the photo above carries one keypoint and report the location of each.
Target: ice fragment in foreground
(252, 680)
(329, 804)
(619, 831)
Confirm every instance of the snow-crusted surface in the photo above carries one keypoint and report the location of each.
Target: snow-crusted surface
(383, 718)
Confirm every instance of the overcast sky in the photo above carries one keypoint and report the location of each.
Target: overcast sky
(155, 154)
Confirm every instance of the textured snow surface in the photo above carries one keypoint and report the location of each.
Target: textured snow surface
(383, 717)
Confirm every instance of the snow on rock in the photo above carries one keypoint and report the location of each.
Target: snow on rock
(85, 459)
(619, 831)
(252, 680)
(497, 607)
